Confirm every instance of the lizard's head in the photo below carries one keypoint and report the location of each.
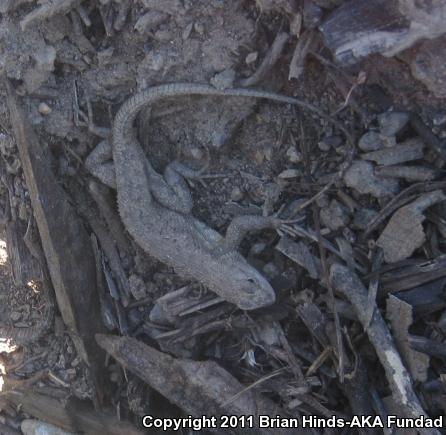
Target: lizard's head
(251, 289)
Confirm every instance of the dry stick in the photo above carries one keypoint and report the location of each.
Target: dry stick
(350, 286)
(373, 286)
(400, 200)
(323, 255)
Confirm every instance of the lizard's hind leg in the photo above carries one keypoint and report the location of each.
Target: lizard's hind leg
(99, 163)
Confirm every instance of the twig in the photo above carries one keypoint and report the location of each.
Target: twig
(253, 385)
(322, 253)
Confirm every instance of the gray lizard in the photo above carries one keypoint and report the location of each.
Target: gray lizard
(156, 209)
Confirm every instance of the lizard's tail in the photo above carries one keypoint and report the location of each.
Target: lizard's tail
(122, 127)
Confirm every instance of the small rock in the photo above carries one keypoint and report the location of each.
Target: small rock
(263, 153)
(251, 57)
(236, 194)
(224, 79)
(150, 21)
(45, 58)
(187, 31)
(371, 141)
(293, 155)
(105, 56)
(199, 28)
(334, 216)
(154, 61)
(323, 146)
(137, 287)
(15, 316)
(37, 427)
(193, 152)
(289, 173)
(44, 109)
(391, 123)
(335, 141)
(270, 270)
(257, 248)
(23, 213)
(361, 177)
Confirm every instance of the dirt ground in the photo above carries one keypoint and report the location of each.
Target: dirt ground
(72, 69)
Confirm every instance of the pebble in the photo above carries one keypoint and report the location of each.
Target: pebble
(224, 79)
(391, 123)
(251, 57)
(37, 427)
(199, 27)
(44, 109)
(361, 177)
(236, 194)
(323, 146)
(137, 287)
(150, 21)
(289, 173)
(271, 270)
(371, 141)
(334, 216)
(293, 155)
(15, 316)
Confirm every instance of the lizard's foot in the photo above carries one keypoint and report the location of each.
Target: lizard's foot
(242, 225)
(83, 119)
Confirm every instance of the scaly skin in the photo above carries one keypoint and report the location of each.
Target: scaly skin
(170, 233)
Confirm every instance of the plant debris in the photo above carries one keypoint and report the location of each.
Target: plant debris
(173, 249)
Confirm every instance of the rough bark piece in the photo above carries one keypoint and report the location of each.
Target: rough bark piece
(361, 176)
(350, 286)
(25, 267)
(412, 149)
(299, 253)
(429, 66)
(409, 173)
(399, 313)
(198, 387)
(72, 415)
(65, 242)
(362, 27)
(404, 233)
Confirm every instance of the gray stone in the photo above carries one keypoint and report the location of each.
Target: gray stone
(391, 123)
(371, 141)
(361, 177)
(429, 66)
(334, 216)
(224, 79)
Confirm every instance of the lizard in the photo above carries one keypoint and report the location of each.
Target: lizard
(156, 209)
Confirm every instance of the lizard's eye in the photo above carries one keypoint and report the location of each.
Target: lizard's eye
(251, 281)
